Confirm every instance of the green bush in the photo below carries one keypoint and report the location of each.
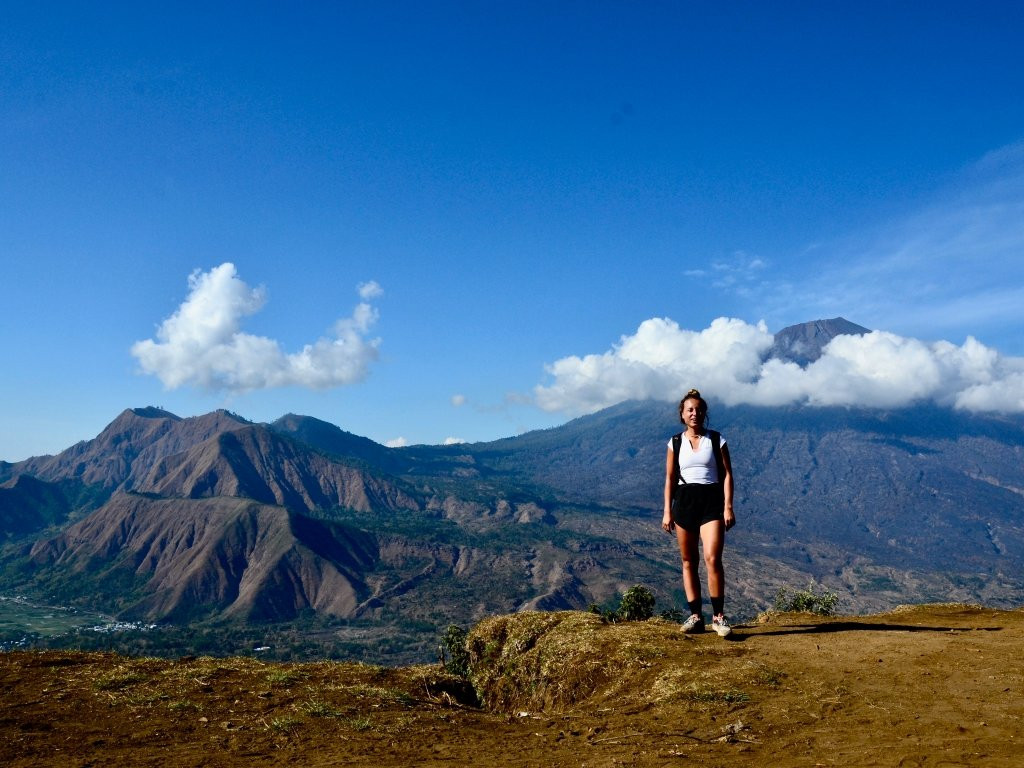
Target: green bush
(807, 600)
(452, 651)
(637, 604)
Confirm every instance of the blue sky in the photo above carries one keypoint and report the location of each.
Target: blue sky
(483, 218)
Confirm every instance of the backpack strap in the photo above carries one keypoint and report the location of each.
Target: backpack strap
(716, 448)
(677, 441)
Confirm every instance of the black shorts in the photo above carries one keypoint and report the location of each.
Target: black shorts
(694, 504)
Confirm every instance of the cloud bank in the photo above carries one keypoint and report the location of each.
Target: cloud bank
(202, 342)
(726, 361)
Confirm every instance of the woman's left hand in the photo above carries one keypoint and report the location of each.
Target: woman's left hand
(730, 519)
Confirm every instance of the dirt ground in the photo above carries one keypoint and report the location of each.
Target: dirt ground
(923, 686)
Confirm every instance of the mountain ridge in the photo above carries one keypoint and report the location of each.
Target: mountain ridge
(216, 518)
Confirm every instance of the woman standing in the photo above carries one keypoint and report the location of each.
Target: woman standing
(698, 506)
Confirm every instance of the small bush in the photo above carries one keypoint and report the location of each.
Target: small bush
(807, 600)
(452, 652)
(637, 604)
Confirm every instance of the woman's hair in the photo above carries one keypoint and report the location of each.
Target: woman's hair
(702, 407)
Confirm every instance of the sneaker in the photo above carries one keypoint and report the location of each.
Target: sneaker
(721, 625)
(693, 624)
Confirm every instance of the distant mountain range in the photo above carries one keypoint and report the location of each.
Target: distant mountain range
(217, 519)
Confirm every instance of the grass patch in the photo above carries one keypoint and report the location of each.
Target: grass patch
(704, 694)
(283, 678)
(319, 708)
(389, 695)
(284, 724)
(117, 680)
(359, 723)
(767, 676)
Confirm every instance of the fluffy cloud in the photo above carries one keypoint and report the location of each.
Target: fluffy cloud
(396, 442)
(654, 362)
(458, 400)
(202, 342)
(726, 360)
(370, 290)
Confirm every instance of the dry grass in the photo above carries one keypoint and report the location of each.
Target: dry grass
(554, 662)
(913, 687)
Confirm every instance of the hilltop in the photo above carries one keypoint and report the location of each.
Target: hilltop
(927, 685)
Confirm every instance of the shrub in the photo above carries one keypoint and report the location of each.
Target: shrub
(807, 600)
(453, 654)
(637, 604)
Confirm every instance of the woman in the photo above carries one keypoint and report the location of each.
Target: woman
(698, 506)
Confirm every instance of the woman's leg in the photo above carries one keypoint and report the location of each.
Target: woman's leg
(712, 536)
(688, 548)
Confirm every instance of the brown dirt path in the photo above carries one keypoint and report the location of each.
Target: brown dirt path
(927, 686)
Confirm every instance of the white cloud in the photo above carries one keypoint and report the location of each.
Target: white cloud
(396, 442)
(453, 441)
(202, 342)
(725, 360)
(458, 400)
(654, 363)
(370, 290)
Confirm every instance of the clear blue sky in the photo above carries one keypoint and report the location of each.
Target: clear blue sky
(526, 183)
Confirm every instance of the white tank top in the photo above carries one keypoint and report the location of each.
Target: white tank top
(697, 466)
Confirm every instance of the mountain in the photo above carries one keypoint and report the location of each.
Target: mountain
(218, 519)
(922, 503)
(227, 556)
(802, 343)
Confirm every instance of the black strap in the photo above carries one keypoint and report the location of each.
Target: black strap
(677, 441)
(716, 449)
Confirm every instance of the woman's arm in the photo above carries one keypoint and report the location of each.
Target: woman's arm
(666, 518)
(730, 518)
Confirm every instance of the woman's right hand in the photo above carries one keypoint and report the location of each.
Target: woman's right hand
(666, 522)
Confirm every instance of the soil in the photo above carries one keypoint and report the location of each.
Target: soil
(922, 686)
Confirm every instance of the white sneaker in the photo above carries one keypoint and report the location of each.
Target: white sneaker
(694, 624)
(721, 625)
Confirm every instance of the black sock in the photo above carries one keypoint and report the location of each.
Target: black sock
(694, 606)
(718, 605)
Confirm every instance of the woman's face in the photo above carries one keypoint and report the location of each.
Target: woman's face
(692, 415)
